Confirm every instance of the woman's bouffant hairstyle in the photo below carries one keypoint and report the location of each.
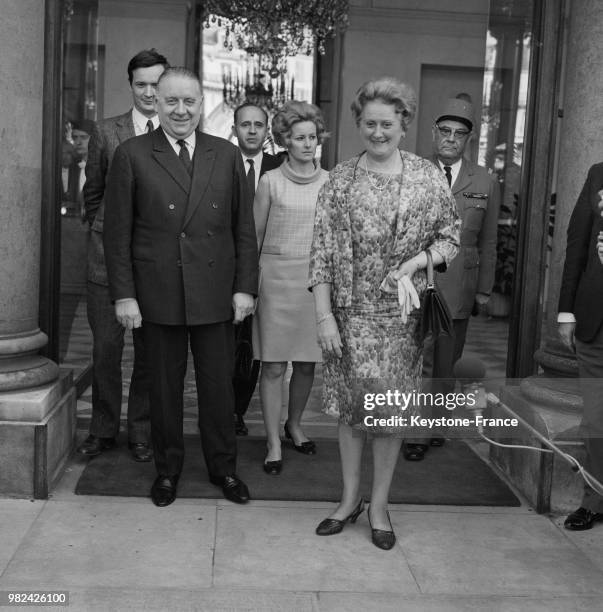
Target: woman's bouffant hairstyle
(388, 90)
(294, 112)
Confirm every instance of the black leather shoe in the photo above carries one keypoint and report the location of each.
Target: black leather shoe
(331, 526)
(307, 448)
(382, 538)
(234, 489)
(240, 427)
(163, 491)
(582, 519)
(93, 445)
(413, 452)
(140, 451)
(273, 467)
(437, 442)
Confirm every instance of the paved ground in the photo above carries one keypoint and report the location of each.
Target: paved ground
(126, 554)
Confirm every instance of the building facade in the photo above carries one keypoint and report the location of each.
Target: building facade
(532, 66)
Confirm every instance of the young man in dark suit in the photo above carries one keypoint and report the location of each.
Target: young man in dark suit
(182, 260)
(581, 329)
(250, 128)
(144, 70)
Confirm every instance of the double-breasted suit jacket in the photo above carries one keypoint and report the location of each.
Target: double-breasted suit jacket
(582, 281)
(181, 245)
(477, 198)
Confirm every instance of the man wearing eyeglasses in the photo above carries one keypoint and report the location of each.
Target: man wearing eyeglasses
(467, 283)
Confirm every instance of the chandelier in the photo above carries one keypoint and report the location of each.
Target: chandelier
(269, 96)
(276, 29)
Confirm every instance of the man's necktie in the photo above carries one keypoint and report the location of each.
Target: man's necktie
(251, 177)
(81, 176)
(448, 172)
(81, 182)
(185, 158)
(149, 126)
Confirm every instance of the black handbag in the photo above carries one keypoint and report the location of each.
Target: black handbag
(243, 351)
(437, 319)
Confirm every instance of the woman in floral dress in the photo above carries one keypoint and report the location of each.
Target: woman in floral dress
(375, 217)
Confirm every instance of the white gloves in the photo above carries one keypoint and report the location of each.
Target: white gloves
(408, 297)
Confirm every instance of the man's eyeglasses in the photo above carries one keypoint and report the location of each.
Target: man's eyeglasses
(447, 132)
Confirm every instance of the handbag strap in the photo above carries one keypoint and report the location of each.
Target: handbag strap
(430, 284)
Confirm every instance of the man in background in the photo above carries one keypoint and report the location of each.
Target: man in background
(250, 128)
(144, 70)
(74, 173)
(468, 281)
(69, 177)
(581, 330)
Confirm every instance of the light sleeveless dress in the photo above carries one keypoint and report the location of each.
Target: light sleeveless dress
(284, 324)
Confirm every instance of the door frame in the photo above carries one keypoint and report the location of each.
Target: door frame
(536, 187)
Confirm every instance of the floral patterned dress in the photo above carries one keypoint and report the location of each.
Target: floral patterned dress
(383, 220)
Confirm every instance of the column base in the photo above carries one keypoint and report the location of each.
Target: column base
(27, 372)
(37, 439)
(545, 479)
(20, 366)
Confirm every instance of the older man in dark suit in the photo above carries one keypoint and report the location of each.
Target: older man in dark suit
(468, 281)
(182, 260)
(581, 329)
(144, 70)
(250, 128)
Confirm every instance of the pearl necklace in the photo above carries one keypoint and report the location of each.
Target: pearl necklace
(370, 180)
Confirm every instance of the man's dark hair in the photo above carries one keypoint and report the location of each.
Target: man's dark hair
(146, 59)
(83, 125)
(246, 105)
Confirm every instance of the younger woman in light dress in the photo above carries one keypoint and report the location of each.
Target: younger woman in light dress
(284, 325)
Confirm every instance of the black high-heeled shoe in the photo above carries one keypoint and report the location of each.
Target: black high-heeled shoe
(331, 526)
(307, 448)
(273, 467)
(414, 452)
(382, 538)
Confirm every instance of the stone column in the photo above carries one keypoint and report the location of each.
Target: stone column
(37, 408)
(552, 402)
(21, 80)
(581, 143)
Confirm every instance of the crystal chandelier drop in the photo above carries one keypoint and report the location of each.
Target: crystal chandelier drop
(276, 29)
(268, 96)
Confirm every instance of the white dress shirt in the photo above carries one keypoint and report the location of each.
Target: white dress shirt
(190, 141)
(140, 121)
(82, 176)
(65, 177)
